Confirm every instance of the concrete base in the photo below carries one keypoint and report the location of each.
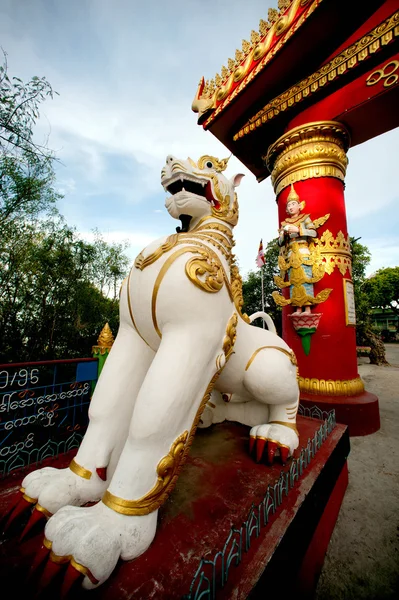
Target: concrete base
(360, 413)
(215, 491)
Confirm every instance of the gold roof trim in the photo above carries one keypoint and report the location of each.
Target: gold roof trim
(219, 88)
(351, 57)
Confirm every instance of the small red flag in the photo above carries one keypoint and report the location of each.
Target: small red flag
(260, 259)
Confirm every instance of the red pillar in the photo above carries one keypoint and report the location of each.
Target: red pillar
(312, 157)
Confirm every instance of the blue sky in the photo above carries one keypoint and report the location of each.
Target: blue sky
(126, 73)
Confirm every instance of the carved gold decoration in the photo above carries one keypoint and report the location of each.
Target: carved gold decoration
(243, 65)
(313, 150)
(294, 263)
(196, 268)
(288, 353)
(336, 252)
(339, 66)
(218, 165)
(331, 387)
(236, 289)
(211, 282)
(167, 472)
(230, 337)
(78, 470)
(104, 341)
(264, 27)
(387, 74)
(141, 262)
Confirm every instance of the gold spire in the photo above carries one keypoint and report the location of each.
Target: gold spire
(292, 195)
(105, 339)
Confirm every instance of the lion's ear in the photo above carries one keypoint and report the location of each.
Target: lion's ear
(236, 179)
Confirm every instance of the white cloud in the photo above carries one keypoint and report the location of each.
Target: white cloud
(126, 73)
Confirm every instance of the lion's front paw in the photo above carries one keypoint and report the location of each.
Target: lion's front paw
(279, 439)
(55, 488)
(93, 539)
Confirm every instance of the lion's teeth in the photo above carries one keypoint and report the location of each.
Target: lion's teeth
(183, 190)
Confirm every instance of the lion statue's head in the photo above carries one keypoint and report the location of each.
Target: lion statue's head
(199, 189)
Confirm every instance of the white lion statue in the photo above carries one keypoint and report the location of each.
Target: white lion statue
(184, 356)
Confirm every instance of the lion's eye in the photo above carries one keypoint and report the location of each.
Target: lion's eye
(209, 165)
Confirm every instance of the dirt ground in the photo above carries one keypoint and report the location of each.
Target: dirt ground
(362, 560)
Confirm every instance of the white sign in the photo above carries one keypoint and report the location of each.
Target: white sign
(349, 299)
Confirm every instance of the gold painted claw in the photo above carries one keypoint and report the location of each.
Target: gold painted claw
(64, 568)
(273, 449)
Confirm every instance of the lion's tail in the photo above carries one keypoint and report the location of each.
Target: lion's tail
(267, 319)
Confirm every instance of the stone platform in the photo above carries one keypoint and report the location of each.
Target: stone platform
(219, 484)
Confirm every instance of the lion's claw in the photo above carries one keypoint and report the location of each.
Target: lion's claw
(71, 577)
(22, 505)
(280, 440)
(37, 516)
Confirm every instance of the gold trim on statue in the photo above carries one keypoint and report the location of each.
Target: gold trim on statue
(78, 470)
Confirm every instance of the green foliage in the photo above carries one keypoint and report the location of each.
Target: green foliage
(383, 289)
(252, 287)
(361, 258)
(19, 111)
(49, 306)
(26, 189)
(365, 335)
(56, 291)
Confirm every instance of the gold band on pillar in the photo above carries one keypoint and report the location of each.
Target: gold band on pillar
(314, 150)
(331, 387)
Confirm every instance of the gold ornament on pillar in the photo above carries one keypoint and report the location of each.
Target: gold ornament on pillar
(313, 150)
(301, 266)
(309, 151)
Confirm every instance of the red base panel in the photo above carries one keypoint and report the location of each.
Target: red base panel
(361, 413)
(215, 491)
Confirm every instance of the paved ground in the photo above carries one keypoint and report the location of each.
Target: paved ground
(362, 561)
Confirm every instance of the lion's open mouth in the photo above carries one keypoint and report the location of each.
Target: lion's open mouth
(186, 184)
(203, 189)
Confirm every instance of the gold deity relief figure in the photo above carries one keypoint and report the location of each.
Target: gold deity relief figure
(301, 266)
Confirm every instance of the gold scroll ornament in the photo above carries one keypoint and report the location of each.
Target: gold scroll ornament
(293, 264)
(336, 252)
(167, 471)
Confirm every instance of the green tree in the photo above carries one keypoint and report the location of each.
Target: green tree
(56, 291)
(49, 306)
(382, 289)
(365, 334)
(19, 111)
(109, 265)
(252, 287)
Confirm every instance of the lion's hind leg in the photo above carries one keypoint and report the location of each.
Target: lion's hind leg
(271, 378)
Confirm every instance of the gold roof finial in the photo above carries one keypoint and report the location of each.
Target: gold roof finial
(106, 338)
(272, 15)
(264, 27)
